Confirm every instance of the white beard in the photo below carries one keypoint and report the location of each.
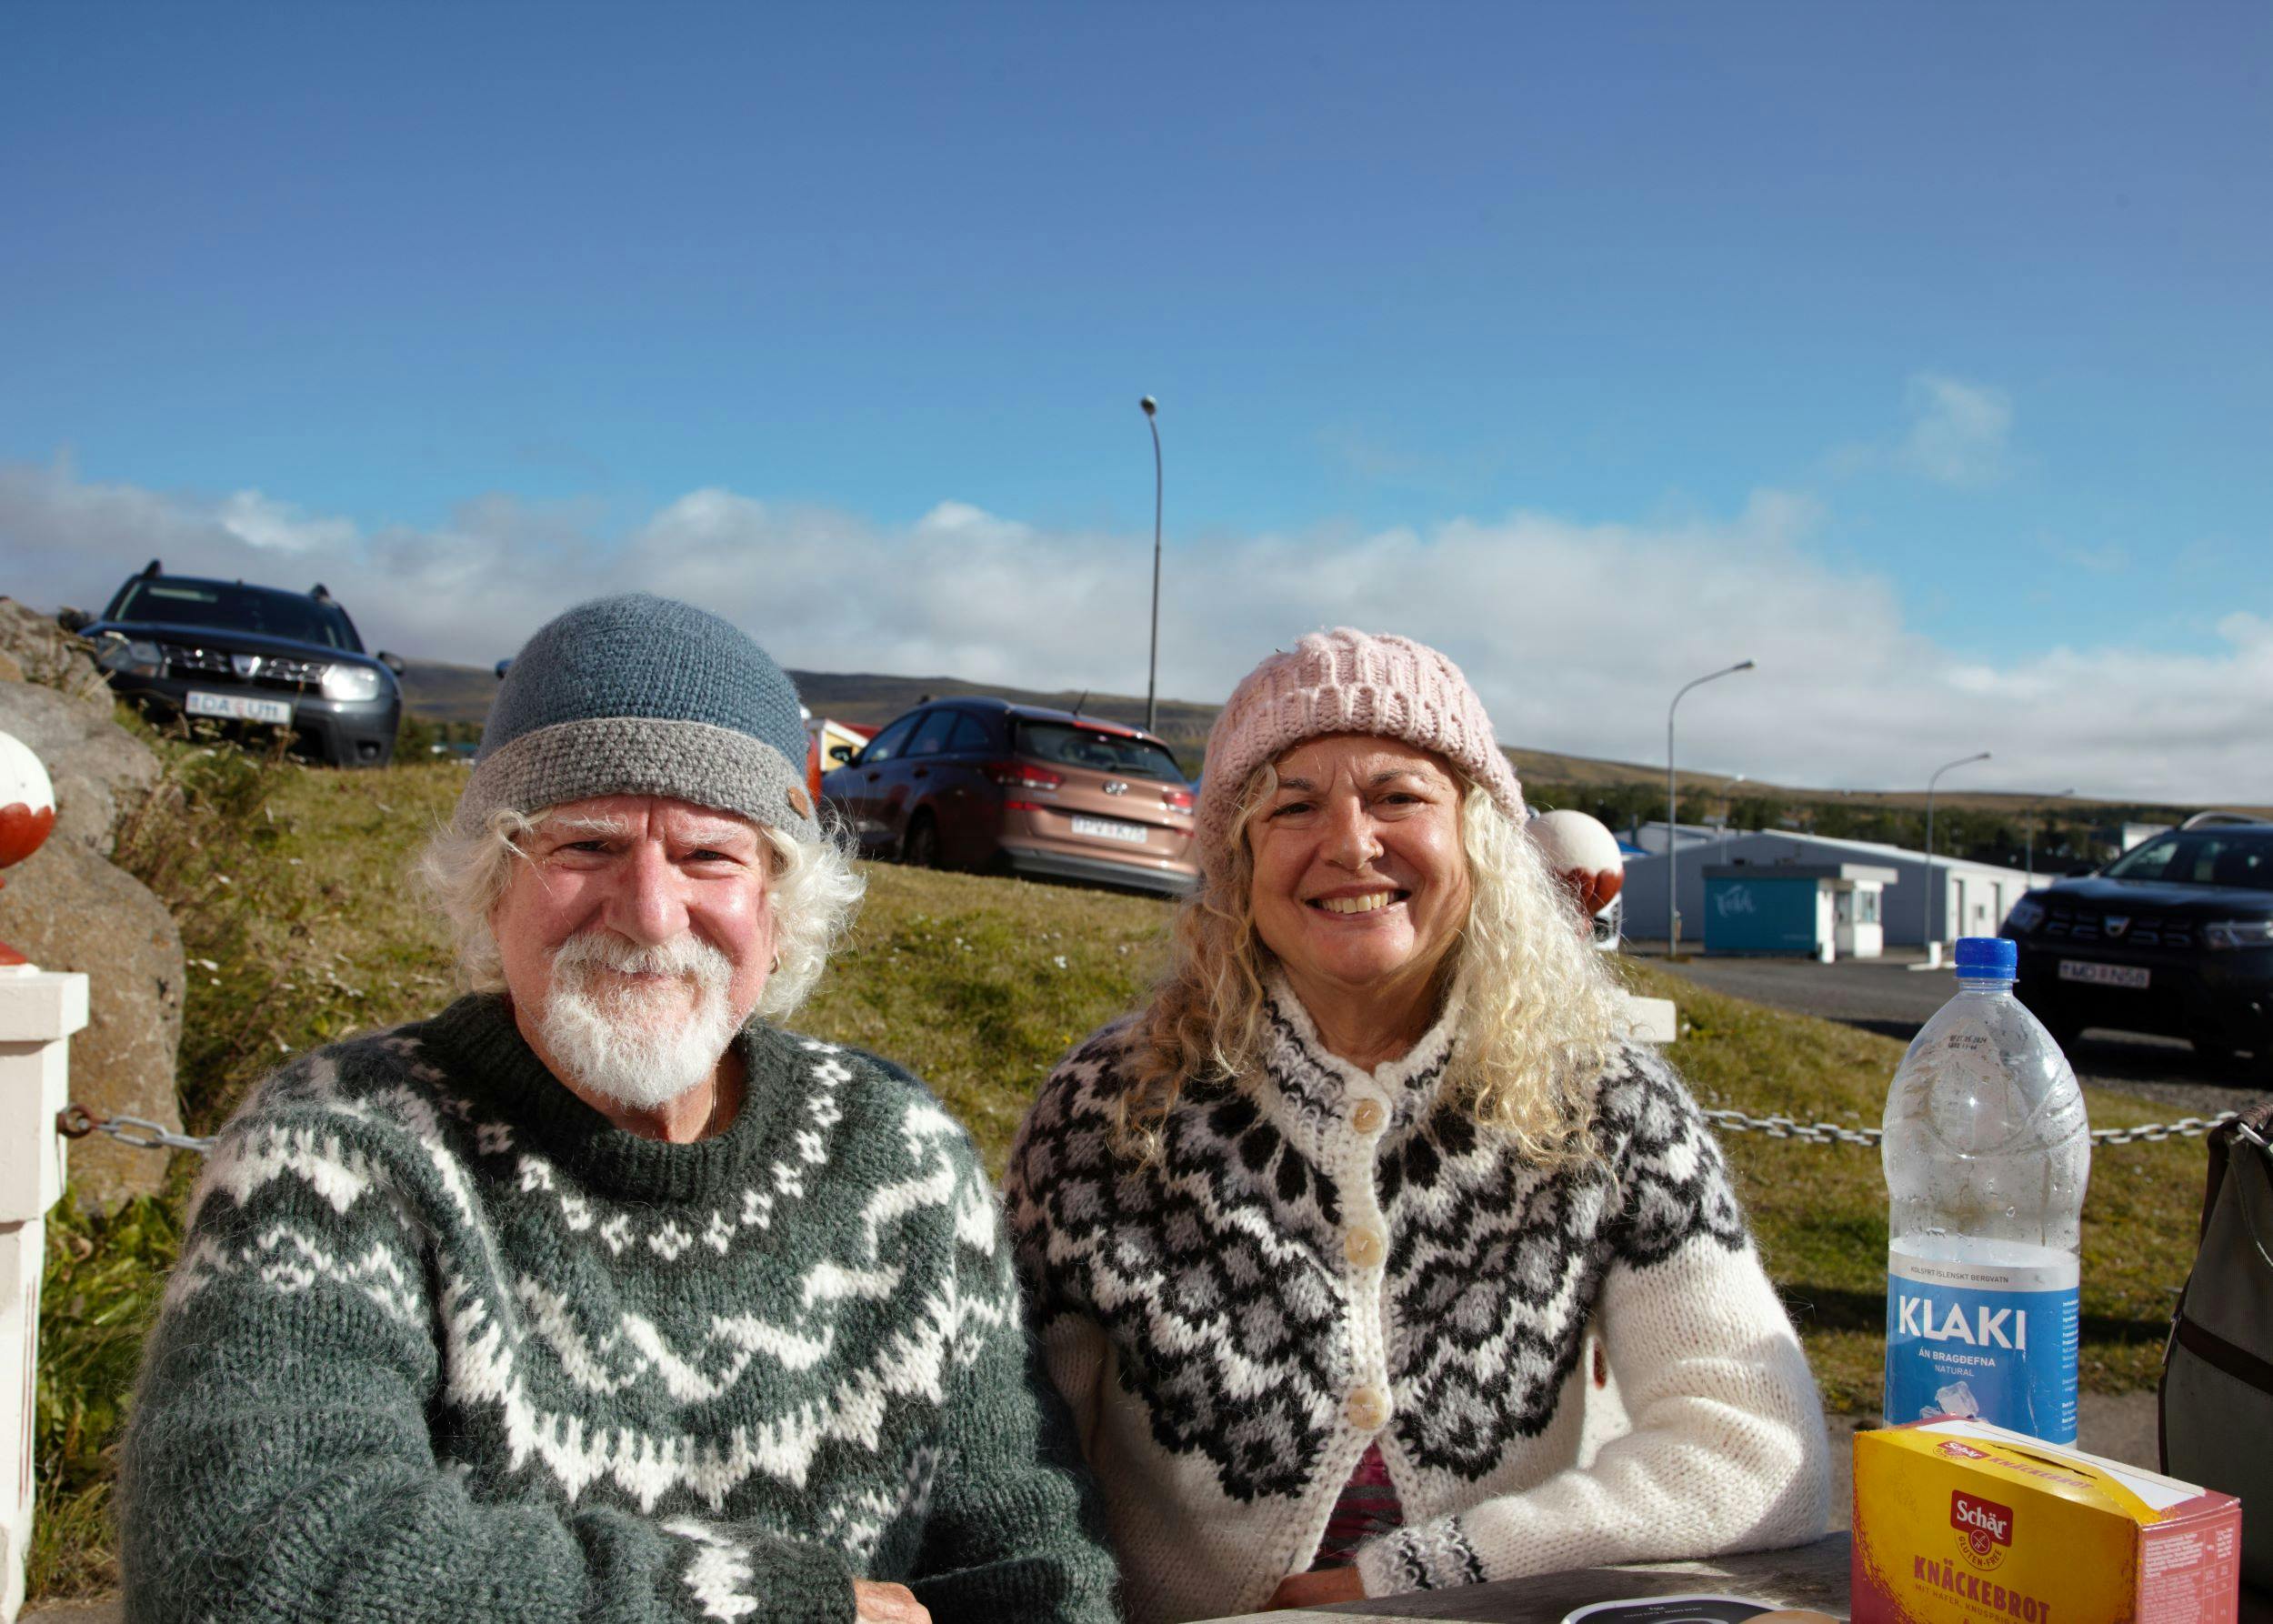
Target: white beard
(630, 1044)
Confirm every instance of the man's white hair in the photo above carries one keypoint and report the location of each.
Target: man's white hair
(812, 889)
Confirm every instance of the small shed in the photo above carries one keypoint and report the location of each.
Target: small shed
(1815, 910)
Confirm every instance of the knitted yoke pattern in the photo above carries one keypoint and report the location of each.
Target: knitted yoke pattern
(445, 1345)
(1325, 1259)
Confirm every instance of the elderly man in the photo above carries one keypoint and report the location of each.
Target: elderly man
(592, 1296)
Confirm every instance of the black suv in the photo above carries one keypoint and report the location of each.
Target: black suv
(182, 644)
(2174, 937)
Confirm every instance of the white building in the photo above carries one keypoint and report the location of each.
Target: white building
(1975, 896)
(1651, 837)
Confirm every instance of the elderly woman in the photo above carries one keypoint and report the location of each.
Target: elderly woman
(598, 1294)
(1333, 1245)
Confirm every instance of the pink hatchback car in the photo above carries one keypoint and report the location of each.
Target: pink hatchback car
(973, 783)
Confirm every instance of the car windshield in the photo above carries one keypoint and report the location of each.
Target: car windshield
(224, 607)
(1064, 743)
(2240, 859)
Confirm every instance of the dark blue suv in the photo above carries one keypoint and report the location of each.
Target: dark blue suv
(185, 645)
(2174, 937)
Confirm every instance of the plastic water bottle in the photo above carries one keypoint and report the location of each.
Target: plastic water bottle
(1986, 1153)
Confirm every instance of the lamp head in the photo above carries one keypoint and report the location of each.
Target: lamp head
(1150, 405)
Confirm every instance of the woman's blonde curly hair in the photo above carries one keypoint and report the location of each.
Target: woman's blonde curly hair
(1540, 1013)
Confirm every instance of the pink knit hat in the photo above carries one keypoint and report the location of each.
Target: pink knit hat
(1346, 681)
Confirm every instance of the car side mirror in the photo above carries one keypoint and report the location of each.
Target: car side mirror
(72, 620)
(393, 662)
(840, 753)
(503, 666)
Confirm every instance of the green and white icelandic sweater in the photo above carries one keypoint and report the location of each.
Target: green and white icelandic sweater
(445, 1345)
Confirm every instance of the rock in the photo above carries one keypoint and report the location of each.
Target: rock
(51, 656)
(9, 670)
(101, 771)
(66, 909)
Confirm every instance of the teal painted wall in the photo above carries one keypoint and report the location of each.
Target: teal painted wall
(1761, 915)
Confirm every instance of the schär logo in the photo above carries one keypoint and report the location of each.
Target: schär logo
(1984, 1525)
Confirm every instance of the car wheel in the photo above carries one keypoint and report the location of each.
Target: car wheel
(921, 848)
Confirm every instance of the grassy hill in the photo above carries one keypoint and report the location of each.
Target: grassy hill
(288, 883)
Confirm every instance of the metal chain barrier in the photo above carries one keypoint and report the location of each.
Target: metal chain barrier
(1833, 1133)
(74, 1121)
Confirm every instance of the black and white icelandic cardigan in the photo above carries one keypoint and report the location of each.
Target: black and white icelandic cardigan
(1561, 1368)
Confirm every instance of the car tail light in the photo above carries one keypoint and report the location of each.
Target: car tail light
(1023, 774)
(1177, 800)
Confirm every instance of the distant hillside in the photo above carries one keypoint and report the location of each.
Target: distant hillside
(443, 693)
(462, 694)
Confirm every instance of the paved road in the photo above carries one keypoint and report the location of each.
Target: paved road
(1885, 996)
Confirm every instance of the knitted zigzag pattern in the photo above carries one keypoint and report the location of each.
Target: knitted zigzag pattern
(441, 1338)
(1216, 1273)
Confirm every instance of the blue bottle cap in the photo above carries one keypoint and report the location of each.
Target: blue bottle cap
(1987, 956)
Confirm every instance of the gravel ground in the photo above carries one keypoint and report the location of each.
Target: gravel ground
(1887, 996)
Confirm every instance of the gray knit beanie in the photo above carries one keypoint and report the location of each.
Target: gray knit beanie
(643, 695)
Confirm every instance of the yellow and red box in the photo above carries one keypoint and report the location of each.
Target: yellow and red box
(1960, 1522)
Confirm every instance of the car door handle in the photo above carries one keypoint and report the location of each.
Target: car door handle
(921, 772)
(873, 777)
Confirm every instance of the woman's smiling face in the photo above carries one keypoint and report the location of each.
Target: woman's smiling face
(1360, 883)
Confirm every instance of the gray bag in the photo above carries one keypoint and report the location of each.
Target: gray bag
(2216, 1397)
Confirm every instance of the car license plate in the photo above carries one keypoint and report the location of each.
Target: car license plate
(1107, 829)
(239, 708)
(2102, 975)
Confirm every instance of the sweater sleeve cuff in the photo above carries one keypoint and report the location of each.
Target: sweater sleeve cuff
(1431, 1556)
(729, 1574)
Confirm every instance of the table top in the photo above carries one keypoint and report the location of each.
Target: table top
(1814, 1576)
(1811, 1575)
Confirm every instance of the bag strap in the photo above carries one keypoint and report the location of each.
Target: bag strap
(2258, 1118)
(2214, 1350)
(2208, 1346)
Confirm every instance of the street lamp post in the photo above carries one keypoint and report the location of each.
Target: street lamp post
(1673, 838)
(1933, 934)
(2029, 838)
(1152, 670)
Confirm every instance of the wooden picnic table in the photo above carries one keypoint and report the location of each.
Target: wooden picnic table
(1807, 1576)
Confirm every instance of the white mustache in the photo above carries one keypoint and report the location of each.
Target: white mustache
(685, 955)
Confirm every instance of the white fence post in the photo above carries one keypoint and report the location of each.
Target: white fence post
(39, 1010)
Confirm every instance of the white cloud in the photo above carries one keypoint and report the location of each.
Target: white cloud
(1958, 430)
(279, 526)
(1959, 434)
(1577, 635)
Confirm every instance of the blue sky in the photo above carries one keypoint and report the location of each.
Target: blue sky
(1959, 311)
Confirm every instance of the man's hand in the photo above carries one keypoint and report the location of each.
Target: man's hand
(1321, 1589)
(887, 1604)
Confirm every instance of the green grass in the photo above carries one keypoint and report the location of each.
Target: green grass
(1820, 1211)
(290, 886)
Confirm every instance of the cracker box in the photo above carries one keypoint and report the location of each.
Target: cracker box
(1960, 1522)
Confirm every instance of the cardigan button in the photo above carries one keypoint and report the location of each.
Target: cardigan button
(1368, 1409)
(1367, 1116)
(1362, 1246)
